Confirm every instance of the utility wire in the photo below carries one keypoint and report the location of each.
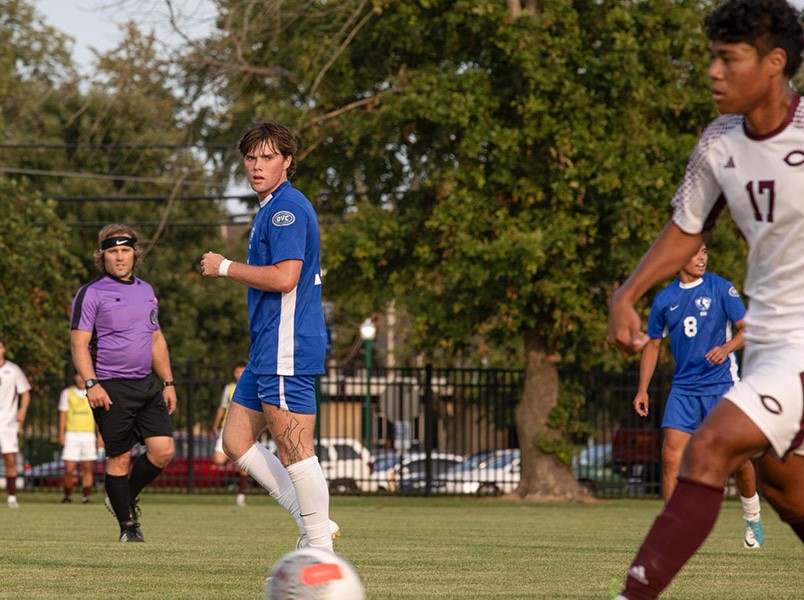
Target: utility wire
(92, 146)
(242, 198)
(42, 173)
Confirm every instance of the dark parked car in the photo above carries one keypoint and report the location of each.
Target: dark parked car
(594, 467)
(51, 475)
(636, 454)
(205, 473)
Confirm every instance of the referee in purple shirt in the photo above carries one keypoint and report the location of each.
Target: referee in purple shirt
(117, 346)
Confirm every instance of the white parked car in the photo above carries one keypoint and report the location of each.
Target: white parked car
(410, 472)
(346, 463)
(495, 472)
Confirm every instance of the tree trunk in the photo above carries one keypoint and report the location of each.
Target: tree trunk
(543, 478)
(517, 8)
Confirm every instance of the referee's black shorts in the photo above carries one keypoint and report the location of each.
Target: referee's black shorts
(138, 412)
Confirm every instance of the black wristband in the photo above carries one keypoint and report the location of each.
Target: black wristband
(168, 383)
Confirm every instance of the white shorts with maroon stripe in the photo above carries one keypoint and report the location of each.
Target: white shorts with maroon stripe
(771, 393)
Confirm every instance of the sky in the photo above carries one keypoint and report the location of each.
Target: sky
(95, 23)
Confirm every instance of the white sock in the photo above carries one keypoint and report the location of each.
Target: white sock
(750, 508)
(270, 473)
(313, 497)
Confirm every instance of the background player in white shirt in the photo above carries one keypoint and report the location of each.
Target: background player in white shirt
(751, 158)
(13, 384)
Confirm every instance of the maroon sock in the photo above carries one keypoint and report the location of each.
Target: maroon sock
(11, 485)
(68, 492)
(798, 528)
(242, 484)
(87, 491)
(676, 535)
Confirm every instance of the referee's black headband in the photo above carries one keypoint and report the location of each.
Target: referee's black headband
(117, 240)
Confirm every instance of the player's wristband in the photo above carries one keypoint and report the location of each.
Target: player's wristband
(168, 383)
(223, 269)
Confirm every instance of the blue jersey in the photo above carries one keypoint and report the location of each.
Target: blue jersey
(122, 317)
(697, 317)
(288, 336)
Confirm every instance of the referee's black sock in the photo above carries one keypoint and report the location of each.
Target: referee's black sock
(142, 473)
(119, 495)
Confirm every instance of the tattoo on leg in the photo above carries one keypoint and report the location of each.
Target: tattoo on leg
(291, 438)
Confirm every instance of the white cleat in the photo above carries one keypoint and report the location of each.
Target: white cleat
(12, 502)
(241, 500)
(753, 537)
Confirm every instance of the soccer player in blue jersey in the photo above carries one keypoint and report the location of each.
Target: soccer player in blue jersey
(749, 158)
(117, 345)
(288, 338)
(697, 311)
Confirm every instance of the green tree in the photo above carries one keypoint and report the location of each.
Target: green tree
(122, 142)
(36, 266)
(38, 273)
(494, 168)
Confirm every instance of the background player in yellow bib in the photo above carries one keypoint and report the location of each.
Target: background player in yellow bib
(78, 438)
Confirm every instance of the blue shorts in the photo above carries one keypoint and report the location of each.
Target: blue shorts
(686, 412)
(292, 393)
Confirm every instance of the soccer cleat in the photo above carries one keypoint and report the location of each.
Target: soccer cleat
(241, 500)
(304, 541)
(752, 534)
(85, 500)
(131, 532)
(66, 500)
(12, 502)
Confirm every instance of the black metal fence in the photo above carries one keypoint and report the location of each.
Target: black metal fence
(418, 431)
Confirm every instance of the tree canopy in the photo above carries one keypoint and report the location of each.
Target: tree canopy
(490, 168)
(493, 168)
(77, 155)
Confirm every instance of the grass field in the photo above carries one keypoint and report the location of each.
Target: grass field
(204, 547)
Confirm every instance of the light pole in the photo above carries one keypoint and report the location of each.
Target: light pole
(367, 331)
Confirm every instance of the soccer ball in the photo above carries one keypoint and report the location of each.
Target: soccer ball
(314, 574)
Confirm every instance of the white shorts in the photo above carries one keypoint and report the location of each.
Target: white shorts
(771, 393)
(9, 441)
(219, 443)
(79, 446)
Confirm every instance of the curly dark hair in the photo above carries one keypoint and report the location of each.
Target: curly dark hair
(764, 24)
(280, 136)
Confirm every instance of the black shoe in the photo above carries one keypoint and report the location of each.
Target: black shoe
(131, 532)
(66, 500)
(85, 500)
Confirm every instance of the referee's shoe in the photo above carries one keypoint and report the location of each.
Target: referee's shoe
(130, 532)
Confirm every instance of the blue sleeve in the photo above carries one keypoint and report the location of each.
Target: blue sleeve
(287, 233)
(733, 303)
(656, 320)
